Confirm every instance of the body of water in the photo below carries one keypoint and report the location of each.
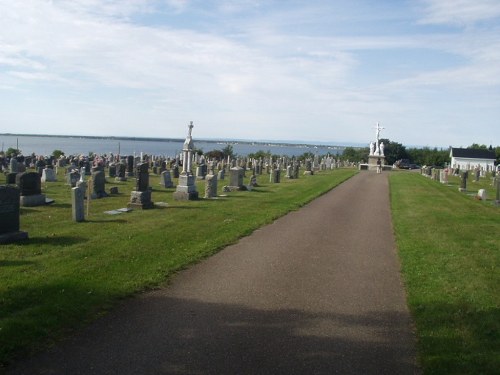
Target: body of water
(45, 145)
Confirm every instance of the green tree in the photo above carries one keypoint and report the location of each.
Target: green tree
(57, 153)
(260, 154)
(393, 151)
(356, 154)
(12, 152)
(215, 154)
(228, 151)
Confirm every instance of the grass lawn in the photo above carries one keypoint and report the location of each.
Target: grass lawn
(449, 245)
(68, 273)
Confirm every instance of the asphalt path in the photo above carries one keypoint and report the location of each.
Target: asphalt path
(316, 292)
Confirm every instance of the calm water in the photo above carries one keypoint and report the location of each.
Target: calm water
(169, 148)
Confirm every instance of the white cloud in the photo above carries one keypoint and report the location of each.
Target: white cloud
(459, 12)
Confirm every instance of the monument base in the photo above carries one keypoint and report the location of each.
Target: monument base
(372, 162)
(140, 200)
(186, 189)
(32, 200)
(13, 237)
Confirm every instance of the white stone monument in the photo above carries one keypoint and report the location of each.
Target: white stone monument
(186, 189)
(376, 157)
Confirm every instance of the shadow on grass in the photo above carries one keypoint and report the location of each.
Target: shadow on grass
(54, 240)
(14, 263)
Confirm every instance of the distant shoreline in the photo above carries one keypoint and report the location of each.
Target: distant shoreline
(151, 139)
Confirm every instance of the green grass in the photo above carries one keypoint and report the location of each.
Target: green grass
(449, 246)
(68, 273)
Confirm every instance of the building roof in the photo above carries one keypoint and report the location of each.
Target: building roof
(472, 153)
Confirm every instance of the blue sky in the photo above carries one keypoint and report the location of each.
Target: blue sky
(312, 70)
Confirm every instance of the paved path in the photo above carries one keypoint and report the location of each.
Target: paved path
(316, 292)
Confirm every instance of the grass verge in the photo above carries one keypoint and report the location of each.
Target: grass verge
(449, 246)
(69, 273)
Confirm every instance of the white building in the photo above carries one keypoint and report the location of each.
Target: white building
(470, 158)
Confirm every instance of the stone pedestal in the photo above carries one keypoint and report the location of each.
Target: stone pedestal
(372, 162)
(186, 188)
(140, 200)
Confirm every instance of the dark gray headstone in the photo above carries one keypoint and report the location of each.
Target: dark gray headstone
(99, 184)
(29, 183)
(9, 209)
(142, 177)
(9, 215)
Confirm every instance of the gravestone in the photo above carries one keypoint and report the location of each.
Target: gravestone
(186, 188)
(112, 170)
(236, 177)
(275, 176)
(11, 178)
(463, 181)
(296, 168)
(48, 175)
(497, 183)
(308, 170)
(166, 180)
(98, 185)
(9, 215)
(77, 204)
(120, 172)
(13, 165)
(31, 189)
(211, 186)
(130, 166)
(141, 197)
(482, 195)
(73, 178)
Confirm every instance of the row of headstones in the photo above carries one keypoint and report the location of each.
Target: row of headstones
(441, 175)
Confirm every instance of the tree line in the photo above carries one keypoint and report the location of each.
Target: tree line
(395, 151)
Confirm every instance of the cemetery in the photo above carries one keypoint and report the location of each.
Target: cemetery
(120, 225)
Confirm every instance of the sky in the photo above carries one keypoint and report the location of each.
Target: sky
(283, 70)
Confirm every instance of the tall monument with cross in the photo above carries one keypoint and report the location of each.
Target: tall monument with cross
(376, 156)
(186, 189)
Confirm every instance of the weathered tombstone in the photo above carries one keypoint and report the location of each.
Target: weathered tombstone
(31, 189)
(236, 177)
(141, 197)
(113, 190)
(48, 175)
(130, 166)
(296, 168)
(13, 166)
(477, 174)
(308, 170)
(253, 180)
(112, 170)
(120, 172)
(9, 215)
(77, 204)
(98, 185)
(210, 186)
(73, 178)
(463, 181)
(482, 195)
(166, 180)
(175, 171)
(275, 176)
